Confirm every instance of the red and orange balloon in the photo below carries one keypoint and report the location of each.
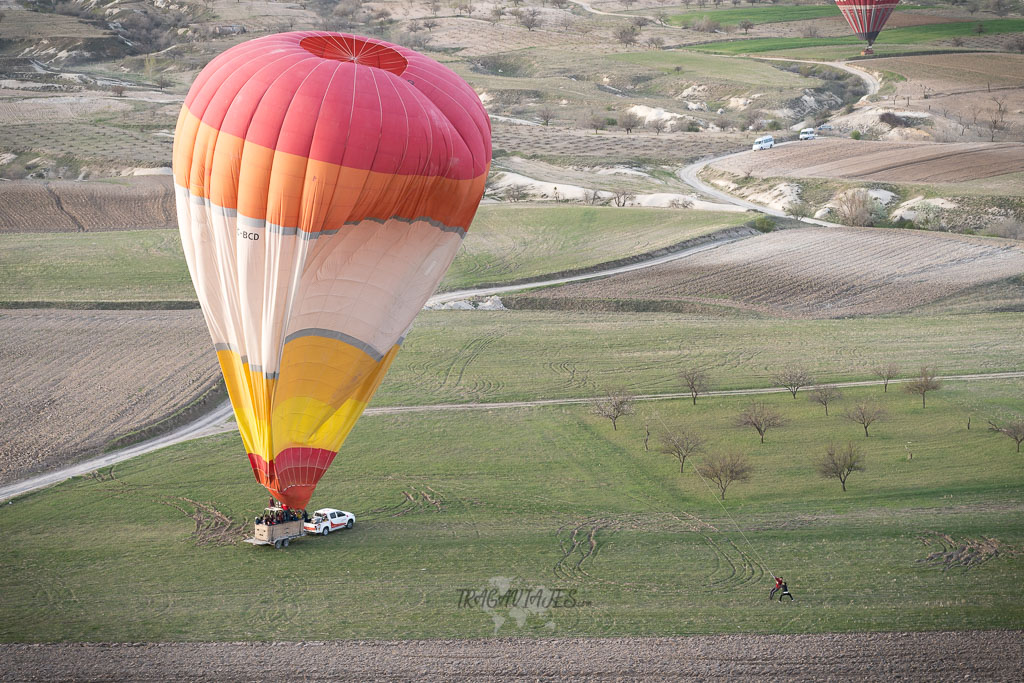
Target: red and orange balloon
(867, 17)
(324, 183)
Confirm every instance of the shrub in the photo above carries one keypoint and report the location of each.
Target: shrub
(855, 135)
(763, 223)
(893, 120)
(706, 25)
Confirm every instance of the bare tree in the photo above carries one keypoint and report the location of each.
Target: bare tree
(497, 12)
(627, 34)
(546, 113)
(865, 414)
(681, 443)
(761, 417)
(431, 24)
(597, 121)
(657, 125)
(640, 22)
(793, 377)
(839, 463)
(615, 405)
(746, 25)
(1013, 429)
(696, 381)
(516, 192)
(655, 42)
(725, 469)
(628, 121)
(825, 394)
(923, 383)
(886, 372)
(622, 197)
(530, 19)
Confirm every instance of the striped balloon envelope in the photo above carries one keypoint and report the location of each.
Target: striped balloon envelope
(867, 17)
(324, 183)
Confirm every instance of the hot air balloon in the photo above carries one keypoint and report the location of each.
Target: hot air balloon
(867, 17)
(324, 183)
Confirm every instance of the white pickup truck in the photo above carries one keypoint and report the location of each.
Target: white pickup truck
(326, 520)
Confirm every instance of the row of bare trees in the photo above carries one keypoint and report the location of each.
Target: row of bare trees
(838, 462)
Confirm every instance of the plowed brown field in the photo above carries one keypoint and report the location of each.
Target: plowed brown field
(75, 380)
(815, 273)
(894, 162)
(68, 206)
(972, 655)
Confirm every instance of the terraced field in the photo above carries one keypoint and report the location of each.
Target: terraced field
(814, 273)
(67, 206)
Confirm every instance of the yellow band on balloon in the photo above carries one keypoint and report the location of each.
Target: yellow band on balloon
(328, 383)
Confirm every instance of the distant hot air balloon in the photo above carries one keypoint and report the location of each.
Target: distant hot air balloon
(867, 17)
(324, 183)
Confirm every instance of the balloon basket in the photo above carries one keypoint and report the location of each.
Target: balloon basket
(867, 51)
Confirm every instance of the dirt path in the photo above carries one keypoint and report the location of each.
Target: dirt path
(971, 655)
(220, 420)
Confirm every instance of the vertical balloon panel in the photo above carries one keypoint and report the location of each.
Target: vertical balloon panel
(867, 17)
(324, 184)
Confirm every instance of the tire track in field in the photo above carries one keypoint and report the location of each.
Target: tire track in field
(581, 542)
(464, 357)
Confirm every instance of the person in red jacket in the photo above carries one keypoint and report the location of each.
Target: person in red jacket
(778, 585)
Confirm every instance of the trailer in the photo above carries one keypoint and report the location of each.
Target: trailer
(278, 534)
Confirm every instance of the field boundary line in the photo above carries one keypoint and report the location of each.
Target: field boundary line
(218, 421)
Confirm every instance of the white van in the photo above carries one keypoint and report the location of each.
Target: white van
(807, 134)
(764, 142)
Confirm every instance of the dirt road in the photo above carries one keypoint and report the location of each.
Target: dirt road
(689, 175)
(973, 655)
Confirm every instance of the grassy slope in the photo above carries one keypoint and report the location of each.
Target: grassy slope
(458, 356)
(759, 15)
(910, 35)
(119, 564)
(508, 243)
(504, 243)
(143, 265)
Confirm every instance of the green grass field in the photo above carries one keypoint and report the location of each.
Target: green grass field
(523, 493)
(140, 265)
(759, 15)
(910, 35)
(505, 243)
(508, 243)
(460, 356)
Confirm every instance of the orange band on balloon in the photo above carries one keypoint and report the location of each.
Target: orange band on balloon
(290, 191)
